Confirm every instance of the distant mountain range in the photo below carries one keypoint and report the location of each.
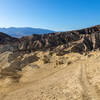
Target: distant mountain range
(19, 32)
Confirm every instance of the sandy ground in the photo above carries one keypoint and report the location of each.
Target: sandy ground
(77, 78)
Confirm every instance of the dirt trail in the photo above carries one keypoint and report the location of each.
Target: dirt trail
(89, 90)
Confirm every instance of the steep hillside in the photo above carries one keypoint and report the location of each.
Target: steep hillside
(5, 39)
(81, 40)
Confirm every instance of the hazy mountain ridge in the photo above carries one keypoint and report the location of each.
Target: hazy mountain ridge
(24, 31)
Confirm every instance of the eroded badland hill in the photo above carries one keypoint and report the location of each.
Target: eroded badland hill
(57, 66)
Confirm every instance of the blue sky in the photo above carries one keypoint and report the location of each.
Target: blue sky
(59, 15)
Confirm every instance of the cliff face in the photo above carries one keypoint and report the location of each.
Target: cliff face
(78, 41)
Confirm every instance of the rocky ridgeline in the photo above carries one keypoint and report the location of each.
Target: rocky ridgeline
(78, 41)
